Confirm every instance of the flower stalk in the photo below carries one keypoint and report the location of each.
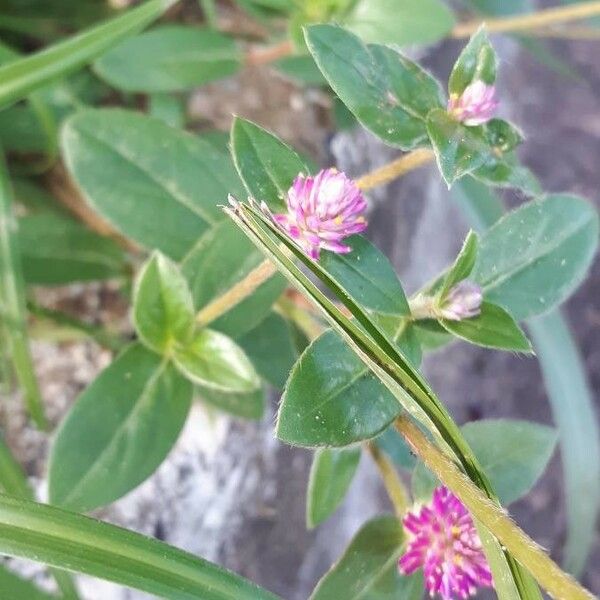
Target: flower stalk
(537, 20)
(548, 574)
(395, 169)
(393, 484)
(234, 295)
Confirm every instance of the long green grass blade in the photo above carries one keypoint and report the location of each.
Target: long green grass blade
(70, 541)
(393, 369)
(12, 302)
(14, 482)
(20, 77)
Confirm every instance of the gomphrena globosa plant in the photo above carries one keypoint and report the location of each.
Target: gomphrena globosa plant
(249, 271)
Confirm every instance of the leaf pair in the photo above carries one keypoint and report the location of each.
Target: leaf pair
(125, 423)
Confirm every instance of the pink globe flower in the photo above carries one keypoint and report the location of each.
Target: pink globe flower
(476, 105)
(443, 542)
(322, 211)
(463, 302)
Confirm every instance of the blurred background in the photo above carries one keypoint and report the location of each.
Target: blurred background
(229, 491)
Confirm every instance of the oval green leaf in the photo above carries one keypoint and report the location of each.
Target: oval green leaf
(535, 256)
(56, 250)
(368, 568)
(247, 405)
(163, 310)
(213, 360)
(271, 348)
(266, 165)
(330, 477)
(400, 23)
(169, 58)
(158, 186)
(332, 399)
(492, 328)
(119, 431)
(389, 94)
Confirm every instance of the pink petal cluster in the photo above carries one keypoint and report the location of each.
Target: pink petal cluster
(463, 301)
(322, 211)
(443, 542)
(476, 105)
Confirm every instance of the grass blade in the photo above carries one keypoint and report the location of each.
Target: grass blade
(20, 77)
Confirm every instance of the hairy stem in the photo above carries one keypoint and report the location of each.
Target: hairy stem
(393, 484)
(547, 573)
(396, 168)
(536, 20)
(234, 295)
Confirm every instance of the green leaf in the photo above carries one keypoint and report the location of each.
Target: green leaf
(169, 58)
(368, 568)
(573, 411)
(214, 361)
(13, 323)
(459, 150)
(477, 62)
(492, 328)
(16, 588)
(401, 23)
(394, 445)
(389, 94)
(503, 136)
(463, 265)
(220, 259)
(119, 431)
(57, 250)
(70, 541)
(163, 309)
(271, 349)
(266, 165)
(159, 186)
(330, 477)
(478, 202)
(332, 399)
(535, 256)
(20, 77)
(367, 274)
(506, 172)
(301, 68)
(247, 405)
(514, 454)
(169, 108)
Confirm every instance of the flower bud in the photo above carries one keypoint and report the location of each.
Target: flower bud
(476, 105)
(463, 302)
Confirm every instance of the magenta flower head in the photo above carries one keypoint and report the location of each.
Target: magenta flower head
(476, 105)
(463, 302)
(443, 542)
(322, 211)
